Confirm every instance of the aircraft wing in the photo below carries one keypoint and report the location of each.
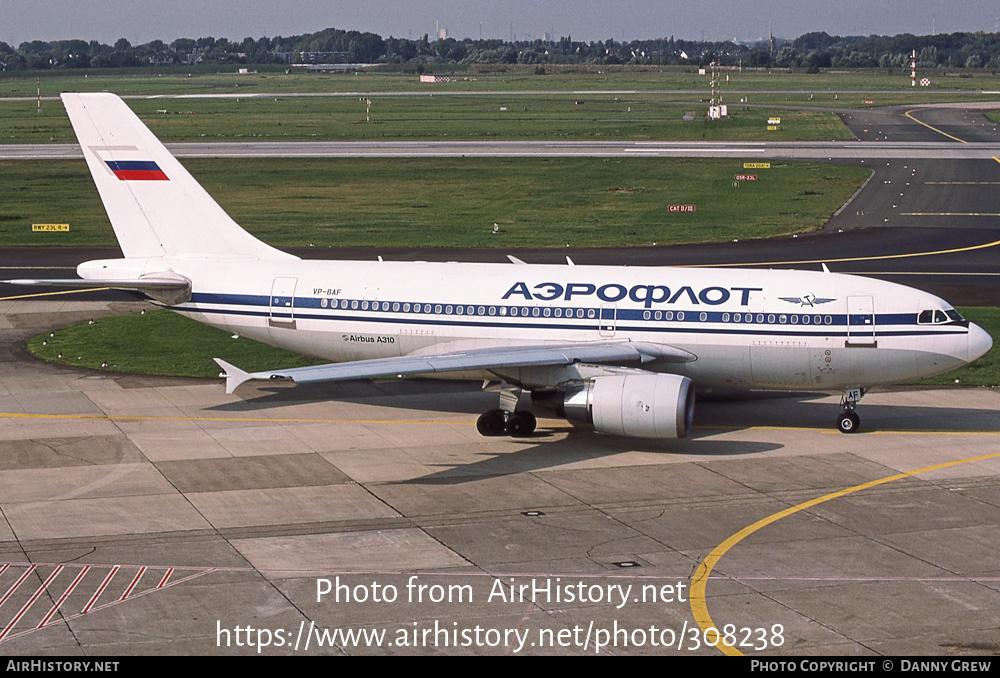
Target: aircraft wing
(487, 358)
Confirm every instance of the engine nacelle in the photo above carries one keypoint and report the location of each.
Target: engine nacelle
(639, 405)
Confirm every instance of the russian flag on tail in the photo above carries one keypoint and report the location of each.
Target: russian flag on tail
(136, 170)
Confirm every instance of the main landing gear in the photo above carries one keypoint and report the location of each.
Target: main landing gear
(505, 419)
(497, 422)
(848, 421)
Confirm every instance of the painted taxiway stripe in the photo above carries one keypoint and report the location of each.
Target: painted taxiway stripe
(37, 268)
(53, 294)
(931, 273)
(131, 587)
(100, 589)
(699, 582)
(16, 584)
(238, 420)
(64, 596)
(823, 430)
(950, 214)
(880, 257)
(131, 592)
(542, 423)
(31, 601)
(930, 127)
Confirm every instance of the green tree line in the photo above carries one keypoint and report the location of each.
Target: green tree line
(811, 51)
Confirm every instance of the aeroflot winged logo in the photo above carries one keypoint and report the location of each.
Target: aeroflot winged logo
(136, 170)
(807, 300)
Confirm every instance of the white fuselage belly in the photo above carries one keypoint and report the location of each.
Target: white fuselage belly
(749, 328)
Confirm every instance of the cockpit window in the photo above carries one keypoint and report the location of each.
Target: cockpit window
(939, 317)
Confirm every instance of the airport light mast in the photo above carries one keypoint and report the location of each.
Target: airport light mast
(716, 108)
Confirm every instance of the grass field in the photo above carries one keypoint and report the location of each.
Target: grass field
(158, 342)
(181, 80)
(455, 202)
(517, 116)
(583, 103)
(164, 343)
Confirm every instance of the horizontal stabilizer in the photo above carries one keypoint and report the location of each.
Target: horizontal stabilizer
(234, 375)
(172, 289)
(140, 285)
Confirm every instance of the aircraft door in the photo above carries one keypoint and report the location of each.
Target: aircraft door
(609, 317)
(860, 321)
(282, 309)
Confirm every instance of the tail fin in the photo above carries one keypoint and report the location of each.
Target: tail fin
(156, 207)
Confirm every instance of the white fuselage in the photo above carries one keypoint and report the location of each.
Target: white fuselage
(748, 328)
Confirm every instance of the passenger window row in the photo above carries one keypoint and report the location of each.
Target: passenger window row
(573, 313)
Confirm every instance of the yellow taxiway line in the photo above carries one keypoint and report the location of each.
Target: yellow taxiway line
(909, 255)
(52, 294)
(931, 127)
(543, 423)
(699, 582)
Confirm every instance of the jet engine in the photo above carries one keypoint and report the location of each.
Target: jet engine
(639, 405)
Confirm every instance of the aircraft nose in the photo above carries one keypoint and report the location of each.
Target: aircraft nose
(979, 341)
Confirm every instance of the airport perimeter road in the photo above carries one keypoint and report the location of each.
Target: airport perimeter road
(162, 516)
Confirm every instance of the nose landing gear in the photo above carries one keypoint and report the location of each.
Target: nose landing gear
(848, 421)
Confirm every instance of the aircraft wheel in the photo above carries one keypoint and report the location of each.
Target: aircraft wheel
(521, 424)
(491, 423)
(848, 422)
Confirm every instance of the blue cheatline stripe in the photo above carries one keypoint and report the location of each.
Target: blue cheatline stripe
(524, 317)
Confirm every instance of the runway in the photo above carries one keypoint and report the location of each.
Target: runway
(162, 516)
(792, 150)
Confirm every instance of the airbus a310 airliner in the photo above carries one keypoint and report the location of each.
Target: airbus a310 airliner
(617, 348)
